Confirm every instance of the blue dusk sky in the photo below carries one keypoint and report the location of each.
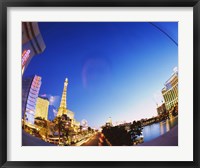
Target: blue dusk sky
(114, 69)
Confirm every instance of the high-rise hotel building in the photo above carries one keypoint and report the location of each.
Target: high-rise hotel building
(30, 91)
(42, 108)
(32, 42)
(170, 91)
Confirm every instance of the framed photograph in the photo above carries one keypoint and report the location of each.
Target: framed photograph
(99, 83)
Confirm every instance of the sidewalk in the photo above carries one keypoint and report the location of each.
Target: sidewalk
(168, 139)
(29, 140)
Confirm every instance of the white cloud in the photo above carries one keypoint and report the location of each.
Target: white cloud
(55, 112)
(54, 100)
(43, 95)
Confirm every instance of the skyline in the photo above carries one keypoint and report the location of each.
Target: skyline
(102, 83)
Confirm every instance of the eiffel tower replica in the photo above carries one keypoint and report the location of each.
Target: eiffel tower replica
(63, 103)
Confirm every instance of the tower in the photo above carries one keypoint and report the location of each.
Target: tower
(30, 90)
(32, 43)
(63, 103)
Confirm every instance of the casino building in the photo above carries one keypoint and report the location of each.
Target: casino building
(170, 91)
(32, 43)
(30, 90)
(161, 109)
(42, 107)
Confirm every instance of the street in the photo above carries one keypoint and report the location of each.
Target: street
(96, 140)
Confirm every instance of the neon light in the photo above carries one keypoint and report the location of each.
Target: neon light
(23, 69)
(25, 56)
(24, 52)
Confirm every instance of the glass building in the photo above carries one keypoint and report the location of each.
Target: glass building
(170, 91)
(30, 91)
(32, 42)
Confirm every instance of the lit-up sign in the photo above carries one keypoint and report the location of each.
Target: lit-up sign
(25, 56)
(24, 52)
(23, 69)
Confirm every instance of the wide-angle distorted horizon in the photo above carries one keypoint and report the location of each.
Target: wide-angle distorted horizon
(95, 74)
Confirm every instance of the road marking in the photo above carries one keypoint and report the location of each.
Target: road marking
(83, 141)
(101, 140)
(108, 142)
(102, 135)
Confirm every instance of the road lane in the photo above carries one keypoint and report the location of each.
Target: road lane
(96, 140)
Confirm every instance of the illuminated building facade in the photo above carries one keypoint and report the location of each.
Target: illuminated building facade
(42, 107)
(70, 114)
(170, 91)
(63, 103)
(32, 42)
(161, 109)
(109, 122)
(76, 126)
(84, 125)
(30, 91)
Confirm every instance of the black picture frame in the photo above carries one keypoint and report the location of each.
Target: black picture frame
(4, 4)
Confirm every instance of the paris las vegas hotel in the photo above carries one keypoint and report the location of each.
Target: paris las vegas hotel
(34, 106)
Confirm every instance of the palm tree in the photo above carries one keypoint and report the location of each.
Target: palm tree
(58, 126)
(63, 125)
(89, 129)
(136, 129)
